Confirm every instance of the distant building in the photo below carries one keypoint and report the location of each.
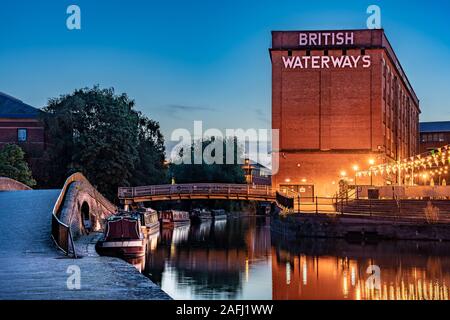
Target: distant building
(434, 135)
(256, 173)
(20, 124)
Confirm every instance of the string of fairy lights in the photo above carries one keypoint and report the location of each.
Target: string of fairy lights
(426, 165)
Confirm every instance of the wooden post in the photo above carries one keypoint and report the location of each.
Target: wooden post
(317, 205)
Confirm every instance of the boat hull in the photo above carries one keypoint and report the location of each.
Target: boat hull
(127, 249)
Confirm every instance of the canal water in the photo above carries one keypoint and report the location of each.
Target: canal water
(241, 259)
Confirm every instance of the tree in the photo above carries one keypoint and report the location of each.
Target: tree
(210, 173)
(149, 168)
(14, 166)
(98, 133)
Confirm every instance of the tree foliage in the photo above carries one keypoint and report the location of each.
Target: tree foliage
(14, 166)
(210, 173)
(98, 133)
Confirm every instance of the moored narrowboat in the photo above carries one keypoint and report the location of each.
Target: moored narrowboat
(173, 218)
(149, 220)
(123, 238)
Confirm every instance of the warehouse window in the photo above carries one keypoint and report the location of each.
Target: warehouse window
(22, 135)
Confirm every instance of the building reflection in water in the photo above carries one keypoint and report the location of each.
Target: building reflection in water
(241, 259)
(322, 270)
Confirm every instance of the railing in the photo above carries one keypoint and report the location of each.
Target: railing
(62, 236)
(197, 189)
(317, 205)
(386, 209)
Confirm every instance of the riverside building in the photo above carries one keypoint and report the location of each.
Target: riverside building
(341, 102)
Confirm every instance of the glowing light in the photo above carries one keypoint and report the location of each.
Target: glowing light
(371, 161)
(287, 180)
(288, 273)
(305, 274)
(343, 173)
(355, 168)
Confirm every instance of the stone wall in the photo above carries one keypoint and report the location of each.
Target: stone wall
(334, 227)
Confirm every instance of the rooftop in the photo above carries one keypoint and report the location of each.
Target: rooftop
(438, 126)
(13, 108)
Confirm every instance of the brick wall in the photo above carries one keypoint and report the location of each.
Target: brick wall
(331, 119)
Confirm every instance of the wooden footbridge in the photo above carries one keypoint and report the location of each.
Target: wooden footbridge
(199, 191)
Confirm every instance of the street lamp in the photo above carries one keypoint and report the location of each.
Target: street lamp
(356, 169)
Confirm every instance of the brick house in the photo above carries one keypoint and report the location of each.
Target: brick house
(20, 124)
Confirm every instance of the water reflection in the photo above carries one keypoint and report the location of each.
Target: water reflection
(214, 260)
(241, 259)
(323, 269)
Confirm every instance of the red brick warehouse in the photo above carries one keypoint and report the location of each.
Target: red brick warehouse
(340, 100)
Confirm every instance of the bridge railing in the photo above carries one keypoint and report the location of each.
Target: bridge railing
(62, 236)
(201, 188)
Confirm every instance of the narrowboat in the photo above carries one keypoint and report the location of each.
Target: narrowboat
(123, 238)
(200, 215)
(173, 218)
(219, 214)
(149, 220)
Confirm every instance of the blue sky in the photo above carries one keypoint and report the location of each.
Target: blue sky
(201, 59)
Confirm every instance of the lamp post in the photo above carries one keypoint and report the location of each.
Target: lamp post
(356, 169)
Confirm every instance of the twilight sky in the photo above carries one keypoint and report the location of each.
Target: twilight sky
(201, 59)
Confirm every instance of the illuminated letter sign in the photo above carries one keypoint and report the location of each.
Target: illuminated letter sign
(326, 38)
(326, 62)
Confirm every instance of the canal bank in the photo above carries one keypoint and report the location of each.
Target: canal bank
(31, 268)
(357, 228)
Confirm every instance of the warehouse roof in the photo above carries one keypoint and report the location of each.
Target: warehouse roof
(438, 126)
